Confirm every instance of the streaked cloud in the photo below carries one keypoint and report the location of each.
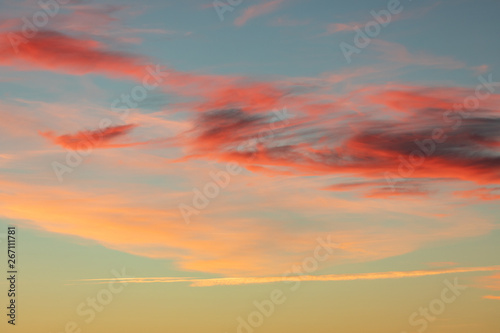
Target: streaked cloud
(288, 278)
(257, 10)
(94, 139)
(492, 297)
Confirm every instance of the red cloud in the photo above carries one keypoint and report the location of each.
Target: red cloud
(97, 138)
(428, 142)
(51, 50)
(326, 140)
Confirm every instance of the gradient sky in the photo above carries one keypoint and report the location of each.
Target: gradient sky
(391, 156)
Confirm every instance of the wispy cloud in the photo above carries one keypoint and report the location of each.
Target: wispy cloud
(196, 282)
(395, 52)
(336, 27)
(492, 297)
(51, 50)
(288, 22)
(483, 193)
(95, 139)
(257, 10)
(490, 283)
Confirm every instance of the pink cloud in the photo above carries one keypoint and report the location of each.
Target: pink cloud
(336, 27)
(288, 22)
(483, 193)
(257, 10)
(399, 53)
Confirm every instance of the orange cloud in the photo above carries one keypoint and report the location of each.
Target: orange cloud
(492, 297)
(490, 282)
(196, 282)
(144, 220)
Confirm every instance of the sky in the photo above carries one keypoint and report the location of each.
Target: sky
(251, 166)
